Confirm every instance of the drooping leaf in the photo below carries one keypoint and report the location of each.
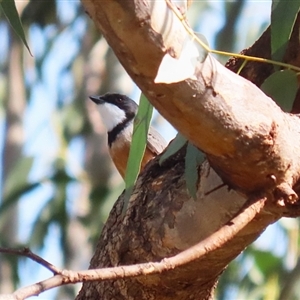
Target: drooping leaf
(53, 212)
(41, 225)
(11, 13)
(281, 29)
(18, 176)
(13, 197)
(266, 261)
(178, 142)
(282, 86)
(193, 158)
(138, 146)
(55, 209)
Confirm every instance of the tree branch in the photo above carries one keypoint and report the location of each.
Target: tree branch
(62, 277)
(240, 122)
(27, 253)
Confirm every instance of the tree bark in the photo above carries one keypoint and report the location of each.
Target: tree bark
(249, 143)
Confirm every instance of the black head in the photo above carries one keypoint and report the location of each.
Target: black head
(117, 112)
(123, 102)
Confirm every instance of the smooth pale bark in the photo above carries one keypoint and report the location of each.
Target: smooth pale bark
(248, 140)
(243, 132)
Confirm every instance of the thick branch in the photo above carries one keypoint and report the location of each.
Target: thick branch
(223, 114)
(161, 221)
(200, 250)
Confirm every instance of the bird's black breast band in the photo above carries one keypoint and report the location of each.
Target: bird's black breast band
(112, 135)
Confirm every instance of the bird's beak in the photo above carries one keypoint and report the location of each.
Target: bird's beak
(97, 99)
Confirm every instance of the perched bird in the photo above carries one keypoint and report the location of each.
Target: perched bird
(118, 112)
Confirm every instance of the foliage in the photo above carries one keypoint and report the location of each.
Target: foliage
(282, 86)
(138, 146)
(281, 31)
(10, 11)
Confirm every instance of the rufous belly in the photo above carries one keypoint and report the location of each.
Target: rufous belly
(119, 152)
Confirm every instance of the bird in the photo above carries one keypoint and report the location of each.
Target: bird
(118, 112)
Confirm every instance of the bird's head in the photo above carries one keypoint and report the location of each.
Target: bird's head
(115, 109)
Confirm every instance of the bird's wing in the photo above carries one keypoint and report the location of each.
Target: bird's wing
(156, 143)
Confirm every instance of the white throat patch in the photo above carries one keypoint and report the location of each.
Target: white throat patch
(111, 115)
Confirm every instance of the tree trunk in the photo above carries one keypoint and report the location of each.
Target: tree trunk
(15, 105)
(250, 144)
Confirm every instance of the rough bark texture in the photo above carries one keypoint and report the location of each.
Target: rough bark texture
(163, 220)
(248, 140)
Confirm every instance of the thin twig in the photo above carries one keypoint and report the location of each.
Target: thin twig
(27, 253)
(215, 189)
(208, 245)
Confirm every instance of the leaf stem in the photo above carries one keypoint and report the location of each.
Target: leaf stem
(225, 53)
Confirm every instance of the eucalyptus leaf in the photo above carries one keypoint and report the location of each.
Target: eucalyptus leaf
(266, 261)
(11, 13)
(16, 185)
(54, 211)
(18, 176)
(282, 86)
(281, 29)
(138, 146)
(41, 224)
(13, 196)
(178, 142)
(11, 199)
(193, 158)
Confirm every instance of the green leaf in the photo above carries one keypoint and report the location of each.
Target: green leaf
(138, 146)
(174, 146)
(17, 177)
(13, 197)
(53, 212)
(282, 86)
(267, 262)
(281, 29)
(41, 224)
(16, 185)
(11, 13)
(193, 158)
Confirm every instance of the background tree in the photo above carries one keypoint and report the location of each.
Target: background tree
(56, 173)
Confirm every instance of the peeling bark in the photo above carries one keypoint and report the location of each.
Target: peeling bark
(249, 142)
